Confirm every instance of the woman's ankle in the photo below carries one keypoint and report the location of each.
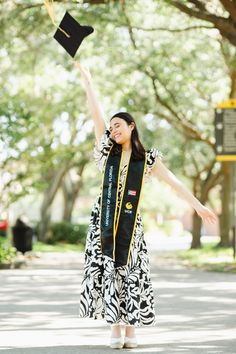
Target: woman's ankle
(115, 331)
(129, 331)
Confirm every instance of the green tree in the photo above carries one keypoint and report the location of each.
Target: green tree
(167, 79)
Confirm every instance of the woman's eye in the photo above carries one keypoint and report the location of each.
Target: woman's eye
(117, 126)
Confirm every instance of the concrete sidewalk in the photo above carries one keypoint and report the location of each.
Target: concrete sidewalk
(39, 305)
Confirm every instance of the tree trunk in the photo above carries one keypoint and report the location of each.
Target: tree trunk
(196, 231)
(70, 192)
(44, 221)
(69, 202)
(49, 195)
(201, 190)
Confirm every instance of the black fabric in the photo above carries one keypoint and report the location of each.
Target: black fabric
(117, 228)
(76, 32)
(110, 183)
(128, 211)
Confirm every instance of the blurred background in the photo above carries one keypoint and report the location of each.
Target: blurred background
(168, 63)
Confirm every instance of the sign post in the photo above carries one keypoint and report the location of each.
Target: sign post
(225, 134)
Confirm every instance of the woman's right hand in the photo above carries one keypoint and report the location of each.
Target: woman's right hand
(85, 73)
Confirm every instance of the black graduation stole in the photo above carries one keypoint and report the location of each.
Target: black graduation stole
(117, 229)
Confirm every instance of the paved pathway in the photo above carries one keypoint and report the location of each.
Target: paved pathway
(196, 310)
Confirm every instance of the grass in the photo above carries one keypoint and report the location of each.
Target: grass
(210, 257)
(59, 247)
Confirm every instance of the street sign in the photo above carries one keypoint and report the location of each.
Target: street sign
(225, 134)
(225, 131)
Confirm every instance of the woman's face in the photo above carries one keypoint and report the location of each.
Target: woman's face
(120, 130)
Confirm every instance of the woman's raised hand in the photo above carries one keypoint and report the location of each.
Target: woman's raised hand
(85, 73)
(206, 214)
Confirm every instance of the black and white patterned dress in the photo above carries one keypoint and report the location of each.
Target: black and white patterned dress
(123, 294)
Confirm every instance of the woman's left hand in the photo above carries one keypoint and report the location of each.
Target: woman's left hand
(206, 214)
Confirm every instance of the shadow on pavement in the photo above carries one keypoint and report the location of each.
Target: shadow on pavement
(39, 312)
(201, 348)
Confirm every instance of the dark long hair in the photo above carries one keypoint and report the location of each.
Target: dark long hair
(138, 151)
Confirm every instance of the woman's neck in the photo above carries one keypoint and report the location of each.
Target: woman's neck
(127, 146)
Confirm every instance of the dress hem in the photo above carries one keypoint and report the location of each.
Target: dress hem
(121, 322)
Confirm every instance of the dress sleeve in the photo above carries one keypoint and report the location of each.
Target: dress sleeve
(152, 154)
(100, 152)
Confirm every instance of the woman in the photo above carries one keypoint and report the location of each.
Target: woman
(116, 284)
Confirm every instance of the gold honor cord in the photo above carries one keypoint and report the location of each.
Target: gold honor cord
(118, 183)
(145, 163)
(116, 222)
(49, 7)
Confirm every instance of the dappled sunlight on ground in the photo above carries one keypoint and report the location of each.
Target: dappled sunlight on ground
(39, 310)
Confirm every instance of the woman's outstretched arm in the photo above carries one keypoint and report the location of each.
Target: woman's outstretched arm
(94, 106)
(161, 171)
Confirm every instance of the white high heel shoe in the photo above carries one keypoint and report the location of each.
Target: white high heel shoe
(130, 342)
(116, 343)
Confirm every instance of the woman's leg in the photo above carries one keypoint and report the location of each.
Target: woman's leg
(115, 330)
(129, 331)
(116, 341)
(130, 338)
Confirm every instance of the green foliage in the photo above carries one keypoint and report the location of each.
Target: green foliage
(209, 257)
(67, 232)
(58, 247)
(7, 252)
(44, 119)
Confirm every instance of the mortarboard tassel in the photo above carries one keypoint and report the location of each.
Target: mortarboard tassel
(49, 7)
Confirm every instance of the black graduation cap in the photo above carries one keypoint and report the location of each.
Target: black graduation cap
(70, 34)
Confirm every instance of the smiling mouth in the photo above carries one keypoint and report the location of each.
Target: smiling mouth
(116, 136)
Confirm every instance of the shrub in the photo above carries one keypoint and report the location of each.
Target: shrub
(7, 252)
(67, 232)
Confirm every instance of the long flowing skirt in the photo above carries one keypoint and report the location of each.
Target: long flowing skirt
(119, 295)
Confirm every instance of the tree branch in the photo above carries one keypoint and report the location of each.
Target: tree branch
(230, 7)
(173, 30)
(196, 167)
(226, 26)
(193, 12)
(130, 28)
(188, 129)
(191, 131)
(209, 182)
(198, 4)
